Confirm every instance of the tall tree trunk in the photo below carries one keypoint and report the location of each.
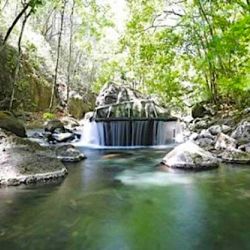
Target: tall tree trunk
(70, 50)
(19, 56)
(54, 86)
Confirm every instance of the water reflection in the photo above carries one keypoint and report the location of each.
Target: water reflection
(118, 200)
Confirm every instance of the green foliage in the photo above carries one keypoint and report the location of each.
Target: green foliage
(48, 116)
(205, 55)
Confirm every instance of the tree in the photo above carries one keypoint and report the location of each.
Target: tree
(54, 86)
(29, 7)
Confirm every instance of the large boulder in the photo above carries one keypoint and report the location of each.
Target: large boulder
(25, 161)
(119, 101)
(12, 124)
(113, 93)
(189, 156)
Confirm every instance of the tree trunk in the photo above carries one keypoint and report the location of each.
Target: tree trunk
(70, 50)
(54, 86)
(25, 7)
(16, 74)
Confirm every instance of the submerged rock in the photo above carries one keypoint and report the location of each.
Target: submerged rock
(68, 153)
(25, 161)
(12, 124)
(189, 156)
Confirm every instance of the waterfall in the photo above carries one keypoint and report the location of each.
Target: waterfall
(122, 133)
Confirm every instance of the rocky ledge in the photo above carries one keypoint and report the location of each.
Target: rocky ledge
(24, 161)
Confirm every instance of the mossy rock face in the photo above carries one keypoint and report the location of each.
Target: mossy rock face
(12, 124)
(33, 90)
(77, 107)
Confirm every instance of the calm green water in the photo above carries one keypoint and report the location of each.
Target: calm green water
(124, 203)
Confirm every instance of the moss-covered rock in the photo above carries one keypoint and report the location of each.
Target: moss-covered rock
(12, 124)
(77, 107)
(33, 90)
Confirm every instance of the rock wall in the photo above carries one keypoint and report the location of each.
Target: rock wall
(33, 90)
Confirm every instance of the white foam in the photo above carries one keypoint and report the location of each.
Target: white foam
(153, 178)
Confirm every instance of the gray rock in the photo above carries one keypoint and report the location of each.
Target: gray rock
(247, 110)
(199, 110)
(69, 122)
(205, 143)
(191, 157)
(242, 132)
(235, 156)
(224, 141)
(216, 129)
(116, 101)
(245, 148)
(53, 125)
(25, 161)
(68, 153)
(194, 136)
(206, 134)
(12, 124)
(63, 137)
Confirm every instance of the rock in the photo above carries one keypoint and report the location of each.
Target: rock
(194, 136)
(77, 106)
(189, 156)
(68, 153)
(201, 124)
(12, 124)
(52, 125)
(242, 132)
(37, 135)
(116, 101)
(205, 143)
(25, 161)
(216, 129)
(63, 137)
(70, 123)
(87, 117)
(199, 110)
(245, 148)
(206, 134)
(246, 111)
(224, 141)
(235, 156)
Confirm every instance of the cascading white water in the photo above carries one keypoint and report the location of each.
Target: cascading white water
(130, 133)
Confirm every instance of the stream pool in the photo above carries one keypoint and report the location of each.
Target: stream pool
(116, 199)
